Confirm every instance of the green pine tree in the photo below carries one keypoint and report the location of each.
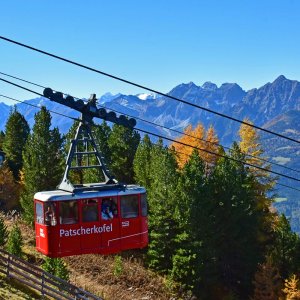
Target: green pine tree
(49, 265)
(239, 240)
(284, 251)
(42, 169)
(16, 134)
(142, 162)
(61, 270)
(192, 213)
(57, 267)
(163, 226)
(2, 137)
(15, 241)
(123, 143)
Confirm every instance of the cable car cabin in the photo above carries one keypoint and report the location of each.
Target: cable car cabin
(104, 222)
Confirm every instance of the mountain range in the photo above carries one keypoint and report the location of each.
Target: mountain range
(274, 106)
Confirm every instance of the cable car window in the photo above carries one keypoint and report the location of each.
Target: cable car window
(68, 212)
(144, 205)
(129, 206)
(50, 215)
(90, 210)
(109, 208)
(39, 214)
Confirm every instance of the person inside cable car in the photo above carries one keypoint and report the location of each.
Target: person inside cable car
(107, 214)
(106, 211)
(50, 215)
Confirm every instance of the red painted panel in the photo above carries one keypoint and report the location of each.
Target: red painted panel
(81, 226)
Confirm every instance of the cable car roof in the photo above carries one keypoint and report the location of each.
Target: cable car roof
(59, 195)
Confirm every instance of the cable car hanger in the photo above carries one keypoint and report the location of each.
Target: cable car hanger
(85, 138)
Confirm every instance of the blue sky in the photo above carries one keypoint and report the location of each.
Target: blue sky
(155, 43)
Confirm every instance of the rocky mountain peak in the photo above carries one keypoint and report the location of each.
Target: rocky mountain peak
(209, 86)
(279, 79)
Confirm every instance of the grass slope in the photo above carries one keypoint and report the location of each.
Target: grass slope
(102, 275)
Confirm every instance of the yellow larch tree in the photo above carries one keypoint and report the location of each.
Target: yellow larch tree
(251, 147)
(211, 146)
(196, 138)
(250, 144)
(263, 182)
(291, 288)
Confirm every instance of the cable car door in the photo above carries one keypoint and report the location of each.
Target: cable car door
(130, 222)
(110, 225)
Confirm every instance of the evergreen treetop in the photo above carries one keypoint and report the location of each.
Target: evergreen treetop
(16, 134)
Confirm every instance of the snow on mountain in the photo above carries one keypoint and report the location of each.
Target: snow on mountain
(147, 96)
(107, 98)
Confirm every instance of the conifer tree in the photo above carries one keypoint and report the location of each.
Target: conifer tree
(251, 147)
(142, 162)
(15, 241)
(267, 283)
(291, 288)
(192, 215)
(193, 137)
(239, 241)
(197, 138)
(2, 136)
(9, 188)
(57, 267)
(42, 161)
(3, 232)
(250, 144)
(49, 265)
(211, 146)
(284, 252)
(123, 143)
(163, 227)
(262, 183)
(61, 270)
(16, 134)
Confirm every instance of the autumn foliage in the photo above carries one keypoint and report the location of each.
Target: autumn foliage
(206, 143)
(9, 189)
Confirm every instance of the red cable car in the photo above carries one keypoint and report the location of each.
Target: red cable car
(103, 218)
(103, 222)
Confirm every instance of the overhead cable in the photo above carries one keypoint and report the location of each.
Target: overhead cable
(148, 89)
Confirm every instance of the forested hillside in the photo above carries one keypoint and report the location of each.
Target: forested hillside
(273, 106)
(213, 233)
